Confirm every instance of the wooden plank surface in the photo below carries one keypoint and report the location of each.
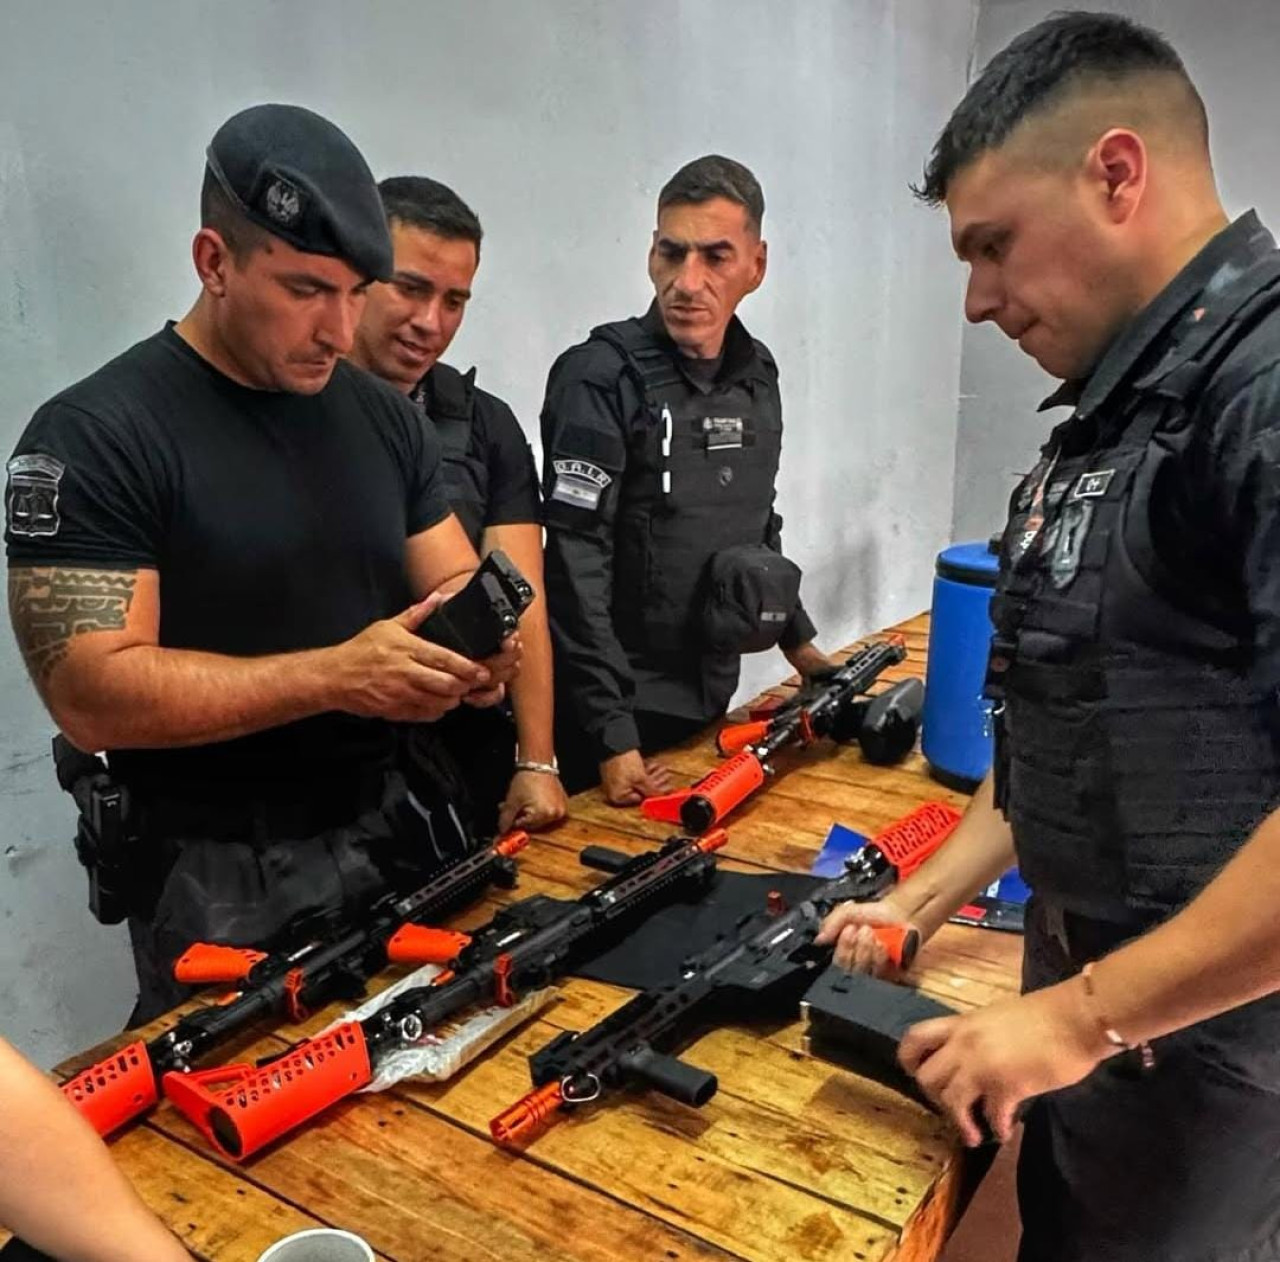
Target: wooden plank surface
(793, 1158)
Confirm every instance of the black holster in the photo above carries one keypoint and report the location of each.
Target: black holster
(107, 843)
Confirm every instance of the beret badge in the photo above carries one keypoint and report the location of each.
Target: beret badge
(283, 202)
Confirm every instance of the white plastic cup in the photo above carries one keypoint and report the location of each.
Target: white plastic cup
(321, 1244)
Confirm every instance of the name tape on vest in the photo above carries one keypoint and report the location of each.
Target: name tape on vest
(1093, 485)
(722, 432)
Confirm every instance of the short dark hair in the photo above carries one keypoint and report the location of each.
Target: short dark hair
(419, 202)
(1039, 70)
(217, 211)
(714, 176)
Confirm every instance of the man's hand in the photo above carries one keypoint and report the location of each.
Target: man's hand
(627, 779)
(535, 799)
(857, 949)
(808, 659)
(502, 668)
(995, 1058)
(389, 672)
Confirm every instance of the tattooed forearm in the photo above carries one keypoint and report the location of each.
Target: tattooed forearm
(50, 606)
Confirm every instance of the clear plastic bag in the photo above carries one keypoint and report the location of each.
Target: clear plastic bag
(444, 1051)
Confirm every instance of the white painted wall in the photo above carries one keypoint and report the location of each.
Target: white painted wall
(1230, 50)
(558, 121)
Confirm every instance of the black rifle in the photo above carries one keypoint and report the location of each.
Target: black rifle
(525, 947)
(829, 705)
(326, 959)
(760, 970)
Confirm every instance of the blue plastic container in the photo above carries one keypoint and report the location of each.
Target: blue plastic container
(956, 737)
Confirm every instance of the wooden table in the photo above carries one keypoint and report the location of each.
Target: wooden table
(792, 1159)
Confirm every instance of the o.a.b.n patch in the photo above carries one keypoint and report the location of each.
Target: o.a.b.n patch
(579, 482)
(31, 499)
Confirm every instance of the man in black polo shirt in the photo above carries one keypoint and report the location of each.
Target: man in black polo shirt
(220, 545)
(489, 477)
(1135, 667)
(661, 437)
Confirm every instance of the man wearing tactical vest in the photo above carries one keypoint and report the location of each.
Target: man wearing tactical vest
(1134, 668)
(661, 438)
(509, 776)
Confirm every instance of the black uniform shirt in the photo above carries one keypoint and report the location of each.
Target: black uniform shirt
(1215, 506)
(492, 480)
(592, 396)
(277, 522)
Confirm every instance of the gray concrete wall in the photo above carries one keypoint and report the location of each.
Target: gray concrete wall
(1230, 49)
(558, 122)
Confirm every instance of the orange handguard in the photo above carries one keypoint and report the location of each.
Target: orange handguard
(203, 963)
(730, 740)
(515, 1123)
(421, 944)
(115, 1090)
(909, 842)
(240, 1109)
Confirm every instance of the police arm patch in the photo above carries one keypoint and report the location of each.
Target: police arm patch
(31, 503)
(579, 483)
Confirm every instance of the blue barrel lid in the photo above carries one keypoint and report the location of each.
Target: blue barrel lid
(969, 563)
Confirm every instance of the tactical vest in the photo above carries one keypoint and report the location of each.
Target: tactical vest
(700, 478)
(449, 399)
(1134, 752)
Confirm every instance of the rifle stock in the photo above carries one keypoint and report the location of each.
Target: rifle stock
(115, 1090)
(240, 1109)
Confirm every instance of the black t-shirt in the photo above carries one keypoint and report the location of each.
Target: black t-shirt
(277, 522)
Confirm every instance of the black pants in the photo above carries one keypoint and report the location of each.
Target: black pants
(249, 889)
(579, 768)
(1180, 1163)
(478, 753)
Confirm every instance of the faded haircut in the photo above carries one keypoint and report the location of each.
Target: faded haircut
(1065, 58)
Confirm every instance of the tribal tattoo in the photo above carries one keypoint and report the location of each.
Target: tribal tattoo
(49, 607)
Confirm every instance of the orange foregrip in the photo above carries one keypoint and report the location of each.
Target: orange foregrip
(421, 944)
(115, 1090)
(910, 841)
(729, 740)
(900, 941)
(515, 1123)
(241, 1109)
(511, 843)
(203, 963)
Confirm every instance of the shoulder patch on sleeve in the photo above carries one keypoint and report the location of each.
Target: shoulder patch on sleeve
(31, 499)
(579, 483)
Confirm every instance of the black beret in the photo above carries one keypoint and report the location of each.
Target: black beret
(299, 177)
